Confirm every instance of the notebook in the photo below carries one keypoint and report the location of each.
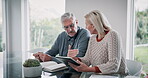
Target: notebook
(102, 76)
(52, 66)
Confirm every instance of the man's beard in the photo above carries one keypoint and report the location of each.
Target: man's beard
(71, 32)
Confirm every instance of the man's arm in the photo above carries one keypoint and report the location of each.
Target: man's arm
(49, 54)
(83, 43)
(54, 49)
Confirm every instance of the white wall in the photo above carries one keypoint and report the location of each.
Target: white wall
(115, 11)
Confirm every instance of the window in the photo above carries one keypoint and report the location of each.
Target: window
(45, 22)
(1, 53)
(44, 14)
(141, 33)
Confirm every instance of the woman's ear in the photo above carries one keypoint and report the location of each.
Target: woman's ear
(92, 25)
(76, 21)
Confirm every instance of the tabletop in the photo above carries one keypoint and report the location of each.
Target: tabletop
(68, 74)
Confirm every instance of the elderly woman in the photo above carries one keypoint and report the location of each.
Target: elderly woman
(104, 51)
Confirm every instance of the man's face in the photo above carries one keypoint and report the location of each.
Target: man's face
(70, 27)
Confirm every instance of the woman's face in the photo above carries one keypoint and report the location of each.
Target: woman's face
(89, 26)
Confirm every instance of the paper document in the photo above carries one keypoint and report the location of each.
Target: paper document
(38, 50)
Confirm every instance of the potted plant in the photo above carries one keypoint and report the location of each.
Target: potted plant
(32, 68)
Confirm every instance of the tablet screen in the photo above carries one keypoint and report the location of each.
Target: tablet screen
(68, 59)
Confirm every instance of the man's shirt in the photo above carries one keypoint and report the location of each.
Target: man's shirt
(79, 41)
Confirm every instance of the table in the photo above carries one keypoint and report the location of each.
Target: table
(59, 74)
(67, 74)
(109, 76)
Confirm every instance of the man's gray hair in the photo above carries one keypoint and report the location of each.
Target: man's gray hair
(68, 16)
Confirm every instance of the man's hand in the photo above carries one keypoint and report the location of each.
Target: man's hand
(72, 52)
(45, 57)
(42, 57)
(36, 55)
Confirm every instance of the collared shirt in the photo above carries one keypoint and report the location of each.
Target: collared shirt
(71, 40)
(79, 41)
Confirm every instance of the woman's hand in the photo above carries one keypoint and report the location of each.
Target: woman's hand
(75, 58)
(82, 68)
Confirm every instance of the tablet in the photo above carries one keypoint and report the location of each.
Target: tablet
(68, 59)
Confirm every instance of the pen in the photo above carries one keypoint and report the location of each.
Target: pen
(69, 47)
(44, 57)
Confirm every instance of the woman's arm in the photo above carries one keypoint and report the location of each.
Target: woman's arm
(114, 55)
(84, 68)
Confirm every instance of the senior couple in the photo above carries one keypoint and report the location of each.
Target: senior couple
(98, 52)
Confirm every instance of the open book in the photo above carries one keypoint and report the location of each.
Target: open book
(52, 66)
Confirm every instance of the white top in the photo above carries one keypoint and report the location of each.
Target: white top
(110, 76)
(106, 54)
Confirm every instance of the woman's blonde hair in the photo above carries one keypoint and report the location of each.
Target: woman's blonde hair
(98, 20)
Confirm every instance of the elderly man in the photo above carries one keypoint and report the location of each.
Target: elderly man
(73, 38)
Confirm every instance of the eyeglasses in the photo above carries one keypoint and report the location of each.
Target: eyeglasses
(71, 26)
(94, 13)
